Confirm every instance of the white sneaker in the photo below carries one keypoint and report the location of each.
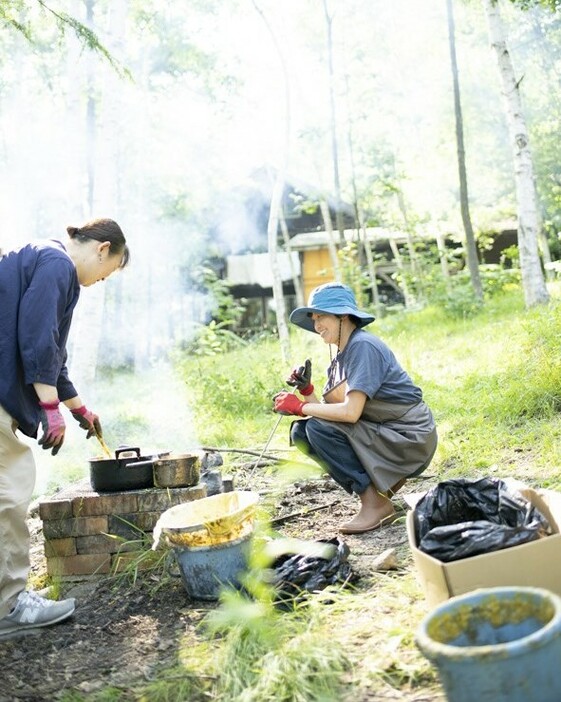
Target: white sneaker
(32, 611)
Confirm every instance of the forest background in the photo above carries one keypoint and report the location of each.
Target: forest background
(193, 97)
(159, 128)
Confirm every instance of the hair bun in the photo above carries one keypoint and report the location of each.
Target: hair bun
(72, 231)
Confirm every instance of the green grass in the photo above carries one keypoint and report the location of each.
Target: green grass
(493, 382)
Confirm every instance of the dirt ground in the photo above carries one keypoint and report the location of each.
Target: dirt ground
(122, 635)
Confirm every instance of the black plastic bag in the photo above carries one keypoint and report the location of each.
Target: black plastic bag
(293, 576)
(462, 518)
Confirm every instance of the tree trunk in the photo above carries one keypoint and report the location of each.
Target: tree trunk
(443, 256)
(401, 268)
(276, 205)
(330, 241)
(296, 278)
(544, 48)
(87, 327)
(362, 235)
(333, 125)
(471, 247)
(371, 266)
(413, 258)
(278, 293)
(533, 282)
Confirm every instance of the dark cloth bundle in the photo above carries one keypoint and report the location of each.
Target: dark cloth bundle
(295, 575)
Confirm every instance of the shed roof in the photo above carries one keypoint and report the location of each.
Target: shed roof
(318, 240)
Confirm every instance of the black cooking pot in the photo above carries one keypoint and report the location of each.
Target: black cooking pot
(117, 474)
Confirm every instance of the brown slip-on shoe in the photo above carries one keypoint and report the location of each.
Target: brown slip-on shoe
(348, 529)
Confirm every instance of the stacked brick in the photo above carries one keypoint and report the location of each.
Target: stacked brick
(89, 533)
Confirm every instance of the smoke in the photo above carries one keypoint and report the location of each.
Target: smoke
(149, 411)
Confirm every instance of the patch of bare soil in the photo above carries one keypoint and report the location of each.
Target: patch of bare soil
(122, 635)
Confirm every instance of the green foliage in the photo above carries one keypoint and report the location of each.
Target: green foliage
(215, 337)
(127, 421)
(461, 302)
(250, 651)
(281, 661)
(237, 392)
(135, 557)
(494, 384)
(303, 205)
(175, 54)
(226, 309)
(530, 388)
(511, 256)
(269, 655)
(12, 11)
(174, 685)
(108, 694)
(553, 5)
(10, 14)
(354, 274)
(455, 294)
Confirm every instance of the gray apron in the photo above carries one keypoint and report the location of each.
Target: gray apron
(391, 441)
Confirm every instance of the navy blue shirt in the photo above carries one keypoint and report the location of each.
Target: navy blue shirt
(39, 289)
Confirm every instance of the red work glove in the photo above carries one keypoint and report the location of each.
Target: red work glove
(87, 420)
(288, 403)
(301, 378)
(53, 425)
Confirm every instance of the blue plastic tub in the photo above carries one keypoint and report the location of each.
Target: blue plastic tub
(498, 644)
(205, 570)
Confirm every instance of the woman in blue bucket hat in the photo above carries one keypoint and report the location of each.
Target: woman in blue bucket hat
(371, 429)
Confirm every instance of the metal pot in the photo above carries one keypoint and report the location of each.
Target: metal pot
(180, 470)
(122, 473)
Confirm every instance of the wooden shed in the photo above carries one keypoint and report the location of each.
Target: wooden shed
(316, 261)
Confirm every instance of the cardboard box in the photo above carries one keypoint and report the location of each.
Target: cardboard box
(535, 564)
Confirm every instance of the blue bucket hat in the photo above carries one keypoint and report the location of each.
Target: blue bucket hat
(332, 298)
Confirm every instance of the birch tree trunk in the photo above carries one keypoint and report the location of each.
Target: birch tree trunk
(533, 282)
(471, 247)
(278, 293)
(333, 125)
(362, 235)
(276, 205)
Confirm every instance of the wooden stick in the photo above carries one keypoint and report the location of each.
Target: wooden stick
(237, 450)
(303, 513)
(104, 446)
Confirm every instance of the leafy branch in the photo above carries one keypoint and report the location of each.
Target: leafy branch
(9, 9)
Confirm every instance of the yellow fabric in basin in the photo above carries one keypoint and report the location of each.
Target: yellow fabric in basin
(209, 521)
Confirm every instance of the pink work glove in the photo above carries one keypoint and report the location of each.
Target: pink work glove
(288, 403)
(87, 420)
(53, 425)
(301, 378)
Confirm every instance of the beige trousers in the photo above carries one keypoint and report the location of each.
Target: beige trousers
(17, 480)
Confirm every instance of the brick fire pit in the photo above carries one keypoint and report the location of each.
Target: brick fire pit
(90, 533)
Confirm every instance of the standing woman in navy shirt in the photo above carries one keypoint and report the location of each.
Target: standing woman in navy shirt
(371, 430)
(39, 288)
